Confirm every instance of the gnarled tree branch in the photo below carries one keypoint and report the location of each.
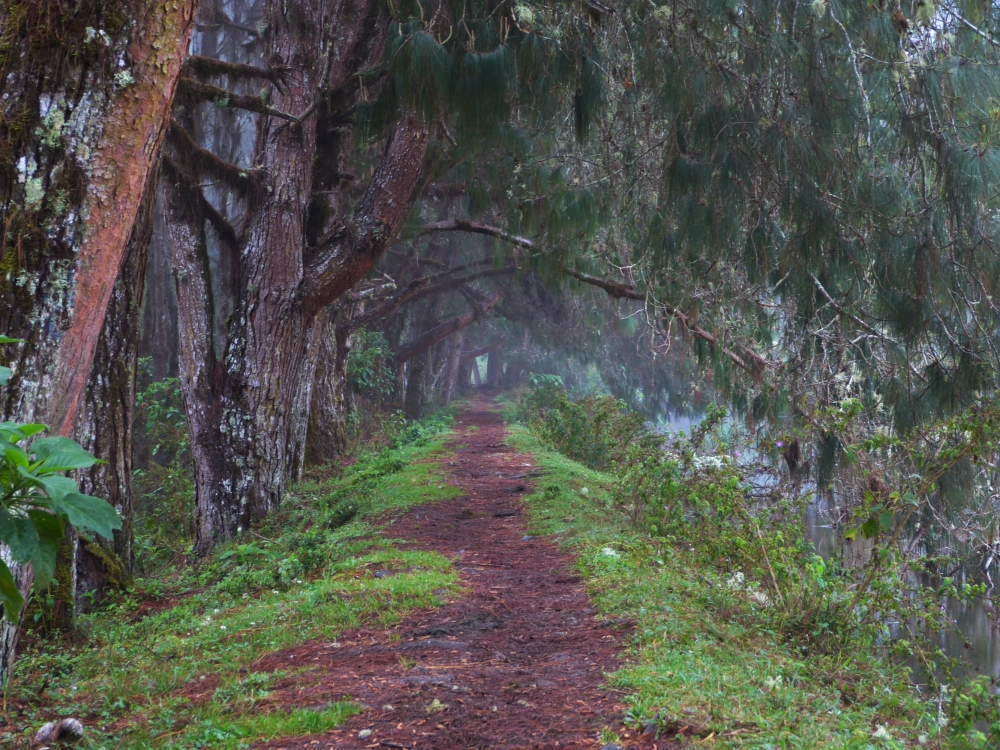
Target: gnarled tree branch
(445, 329)
(480, 351)
(205, 92)
(209, 67)
(340, 262)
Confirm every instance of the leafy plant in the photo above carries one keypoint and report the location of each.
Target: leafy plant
(5, 371)
(369, 371)
(37, 500)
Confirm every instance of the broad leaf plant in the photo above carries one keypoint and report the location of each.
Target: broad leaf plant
(37, 500)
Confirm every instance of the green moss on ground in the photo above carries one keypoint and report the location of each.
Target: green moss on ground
(704, 653)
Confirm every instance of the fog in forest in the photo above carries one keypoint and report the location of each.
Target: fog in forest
(499, 374)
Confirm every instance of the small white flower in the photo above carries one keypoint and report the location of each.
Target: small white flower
(736, 580)
(222, 627)
(608, 552)
(881, 733)
(215, 611)
(923, 739)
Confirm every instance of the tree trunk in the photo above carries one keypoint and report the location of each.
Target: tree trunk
(328, 416)
(413, 402)
(83, 159)
(106, 425)
(200, 372)
(463, 378)
(475, 374)
(159, 310)
(305, 395)
(245, 409)
(451, 375)
(494, 368)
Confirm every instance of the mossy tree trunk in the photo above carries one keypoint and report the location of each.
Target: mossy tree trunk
(106, 423)
(327, 437)
(86, 93)
(247, 410)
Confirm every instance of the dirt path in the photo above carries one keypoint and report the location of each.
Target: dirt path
(517, 662)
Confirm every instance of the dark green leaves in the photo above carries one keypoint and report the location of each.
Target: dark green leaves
(89, 514)
(10, 597)
(5, 371)
(19, 534)
(37, 500)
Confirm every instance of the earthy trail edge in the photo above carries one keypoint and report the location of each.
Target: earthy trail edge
(517, 662)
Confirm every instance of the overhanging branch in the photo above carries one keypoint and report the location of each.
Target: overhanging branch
(747, 359)
(460, 225)
(480, 351)
(444, 330)
(205, 92)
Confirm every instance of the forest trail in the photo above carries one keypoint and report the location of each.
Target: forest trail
(517, 662)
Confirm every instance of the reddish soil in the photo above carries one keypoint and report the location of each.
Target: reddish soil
(518, 662)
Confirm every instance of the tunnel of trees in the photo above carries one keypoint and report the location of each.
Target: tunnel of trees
(297, 213)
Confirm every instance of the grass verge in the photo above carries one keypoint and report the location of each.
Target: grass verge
(172, 665)
(706, 660)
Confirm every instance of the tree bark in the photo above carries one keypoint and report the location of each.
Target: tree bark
(451, 376)
(107, 424)
(331, 397)
(299, 421)
(249, 417)
(82, 166)
(463, 383)
(494, 369)
(413, 402)
(199, 371)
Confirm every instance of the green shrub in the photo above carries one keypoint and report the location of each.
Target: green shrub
(369, 365)
(596, 430)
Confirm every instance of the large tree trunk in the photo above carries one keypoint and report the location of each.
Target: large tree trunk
(85, 153)
(244, 413)
(200, 372)
(299, 422)
(268, 342)
(328, 417)
(106, 425)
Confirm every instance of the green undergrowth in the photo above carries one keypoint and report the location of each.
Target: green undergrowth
(172, 664)
(707, 657)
